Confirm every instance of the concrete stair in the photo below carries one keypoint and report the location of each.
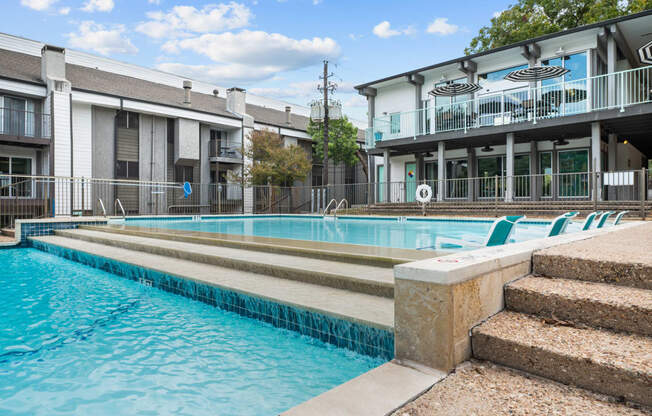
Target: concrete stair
(585, 319)
(8, 232)
(360, 278)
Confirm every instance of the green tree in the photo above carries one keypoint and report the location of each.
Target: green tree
(273, 161)
(343, 144)
(531, 18)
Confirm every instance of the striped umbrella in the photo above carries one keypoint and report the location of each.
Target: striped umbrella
(536, 73)
(452, 89)
(645, 54)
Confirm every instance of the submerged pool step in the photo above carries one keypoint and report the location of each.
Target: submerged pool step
(372, 280)
(373, 311)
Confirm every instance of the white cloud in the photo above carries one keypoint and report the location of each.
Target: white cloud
(96, 37)
(220, 74)
(253, 55)
(356, 101)
(39, 5)
(64, 11)
(98, 6)
(157, 2)
(182, 20)
(440, 26)
(384, 30)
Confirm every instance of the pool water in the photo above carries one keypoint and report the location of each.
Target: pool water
(78, 340)
(420, 234)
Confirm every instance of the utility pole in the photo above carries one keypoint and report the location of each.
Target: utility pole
(324, 174)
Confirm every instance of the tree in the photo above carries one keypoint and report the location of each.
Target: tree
(531, 18)
(343, 144)
(272, 160)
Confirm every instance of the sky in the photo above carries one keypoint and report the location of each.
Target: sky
(273, 48)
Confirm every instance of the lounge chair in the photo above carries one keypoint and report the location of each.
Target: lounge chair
(559, 224)
(588, 221)
(619, 217)
(603, 219)
(499, 234)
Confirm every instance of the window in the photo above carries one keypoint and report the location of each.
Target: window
(545, 167)
(15, 186)
(316, 175)
(395, 123)
(456, 173)
(126, 170)
(574, 83)
(573, 173)
(492, 82)
(521, 181)
(184, 174)
(127, 120)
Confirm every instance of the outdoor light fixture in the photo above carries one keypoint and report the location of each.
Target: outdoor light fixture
(487, 148)
(560, 51)
(561, 142)
(625, 141)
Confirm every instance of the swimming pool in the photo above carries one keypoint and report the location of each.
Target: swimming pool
(78, 340)
(408, 233)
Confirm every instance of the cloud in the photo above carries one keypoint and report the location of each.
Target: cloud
(157, 2)
(440, 26)
(302, 91)
(181, 21)
(98, 6)
(220, 74)
(39, 5)
(96, 37)
(64, 11)
(256, 55)
(384, 30)
(356, 101)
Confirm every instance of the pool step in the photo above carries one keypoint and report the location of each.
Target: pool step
(374, 311)
(606, 362)
(343, 253)
(372, 280)
(599, 305)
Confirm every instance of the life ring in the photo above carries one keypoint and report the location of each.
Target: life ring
(421, 189)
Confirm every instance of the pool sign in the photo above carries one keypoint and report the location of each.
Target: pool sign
(187, 189)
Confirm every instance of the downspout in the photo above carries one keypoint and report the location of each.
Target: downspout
(72, 186)
(52, 139)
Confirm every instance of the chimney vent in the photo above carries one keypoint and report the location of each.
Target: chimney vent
(187, 86)
(288, 110)
(216, 92)
(236, 100)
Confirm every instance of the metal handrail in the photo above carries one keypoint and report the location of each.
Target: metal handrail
(102, 206)
(343, 201)
(118, 203)
(328, 206)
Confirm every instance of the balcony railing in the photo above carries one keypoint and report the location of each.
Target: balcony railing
(519, 105)
(218, 149)
(23, 123)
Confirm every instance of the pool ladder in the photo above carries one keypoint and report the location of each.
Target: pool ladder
(338, 206)
(117, 204)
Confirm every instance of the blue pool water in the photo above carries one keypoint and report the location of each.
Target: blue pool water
(78, 340)
(411, 234)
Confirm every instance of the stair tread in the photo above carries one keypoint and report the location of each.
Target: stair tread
(370, 310)
(621, 296)
(379, 275)
(625, 351)
(483, 388)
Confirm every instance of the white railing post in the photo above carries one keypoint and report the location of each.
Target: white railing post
(465, 117)
(622, 92)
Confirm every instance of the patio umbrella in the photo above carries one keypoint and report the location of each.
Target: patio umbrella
(452, 89)
(536, 73)
(645, 53)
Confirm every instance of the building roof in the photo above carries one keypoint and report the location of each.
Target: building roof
(20, 66)
(511, 46)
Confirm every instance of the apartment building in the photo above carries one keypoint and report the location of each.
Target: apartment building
(535, 140)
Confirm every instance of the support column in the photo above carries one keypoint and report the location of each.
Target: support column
(420, 168)
(596, 156)
(612, 56)
(509, 161)
(441, 171)
(612, 161)
(388, 175)
(534, 170)
(470, 161)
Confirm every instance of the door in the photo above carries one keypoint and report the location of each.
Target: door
(380, 183)
(14, 117)
(410, 182)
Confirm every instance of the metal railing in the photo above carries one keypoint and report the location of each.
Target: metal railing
(518, 105)
(45, 196)
(23, 123)
(217, 149)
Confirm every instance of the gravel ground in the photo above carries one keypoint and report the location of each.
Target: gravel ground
(481, 388)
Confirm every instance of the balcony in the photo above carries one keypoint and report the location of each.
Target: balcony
(218, 152)
(519, 105)
(24, 126)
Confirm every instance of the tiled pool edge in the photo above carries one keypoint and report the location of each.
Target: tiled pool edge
(344, 334)
(47, 226)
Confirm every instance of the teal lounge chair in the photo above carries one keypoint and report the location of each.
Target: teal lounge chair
(603, 219)
(619, 217)
(499, 234)
(559, 224)
(588, 221)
